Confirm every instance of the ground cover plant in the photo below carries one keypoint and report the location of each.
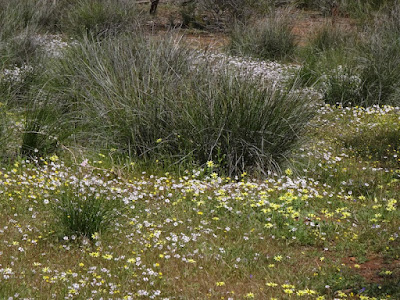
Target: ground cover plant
(132, 167)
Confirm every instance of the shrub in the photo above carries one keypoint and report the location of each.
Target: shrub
(268, 39)
(333, 72)
(155, 99)
(17, 30)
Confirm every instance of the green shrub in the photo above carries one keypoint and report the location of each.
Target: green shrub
(153, 99)
(332, 71)
(268, 39)
(17, 30)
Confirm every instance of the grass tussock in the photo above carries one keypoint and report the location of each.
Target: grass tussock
(163, 103)
(269, 39)
(100, 17)
(83, 213)
(356, 70)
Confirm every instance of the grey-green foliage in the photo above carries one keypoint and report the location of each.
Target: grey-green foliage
(99, 17)
(222, 14)
(153, 98)
(328, 64)
(363, 70)
(17, 28)
(379, 59)
(270, 38)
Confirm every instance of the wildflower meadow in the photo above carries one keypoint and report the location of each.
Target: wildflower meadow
(136, 166)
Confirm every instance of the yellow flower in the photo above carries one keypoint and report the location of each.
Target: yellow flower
(131, 260)
(272, 284)
(278, 257)
(210, 164)
(159, 141)
(220, 283)
(94, 254)
(107, 256)
(249, 295)
(54, 158)
(288, 172)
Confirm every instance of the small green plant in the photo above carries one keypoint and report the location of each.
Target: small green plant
(270, 39)
(330, 37)
(98, 18)
(83, 213)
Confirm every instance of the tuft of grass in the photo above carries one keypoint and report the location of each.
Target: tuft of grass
(99, 18)
(151, 99)
(330, 37)
(358, 71)
(379, 60)
(46, 127)
(270, 39)
(83, 213)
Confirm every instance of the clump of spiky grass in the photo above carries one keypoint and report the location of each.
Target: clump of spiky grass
(82, 213)
(359, 71)
(99, 17)
(270, 38)
(153, 99)
(379, 60)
